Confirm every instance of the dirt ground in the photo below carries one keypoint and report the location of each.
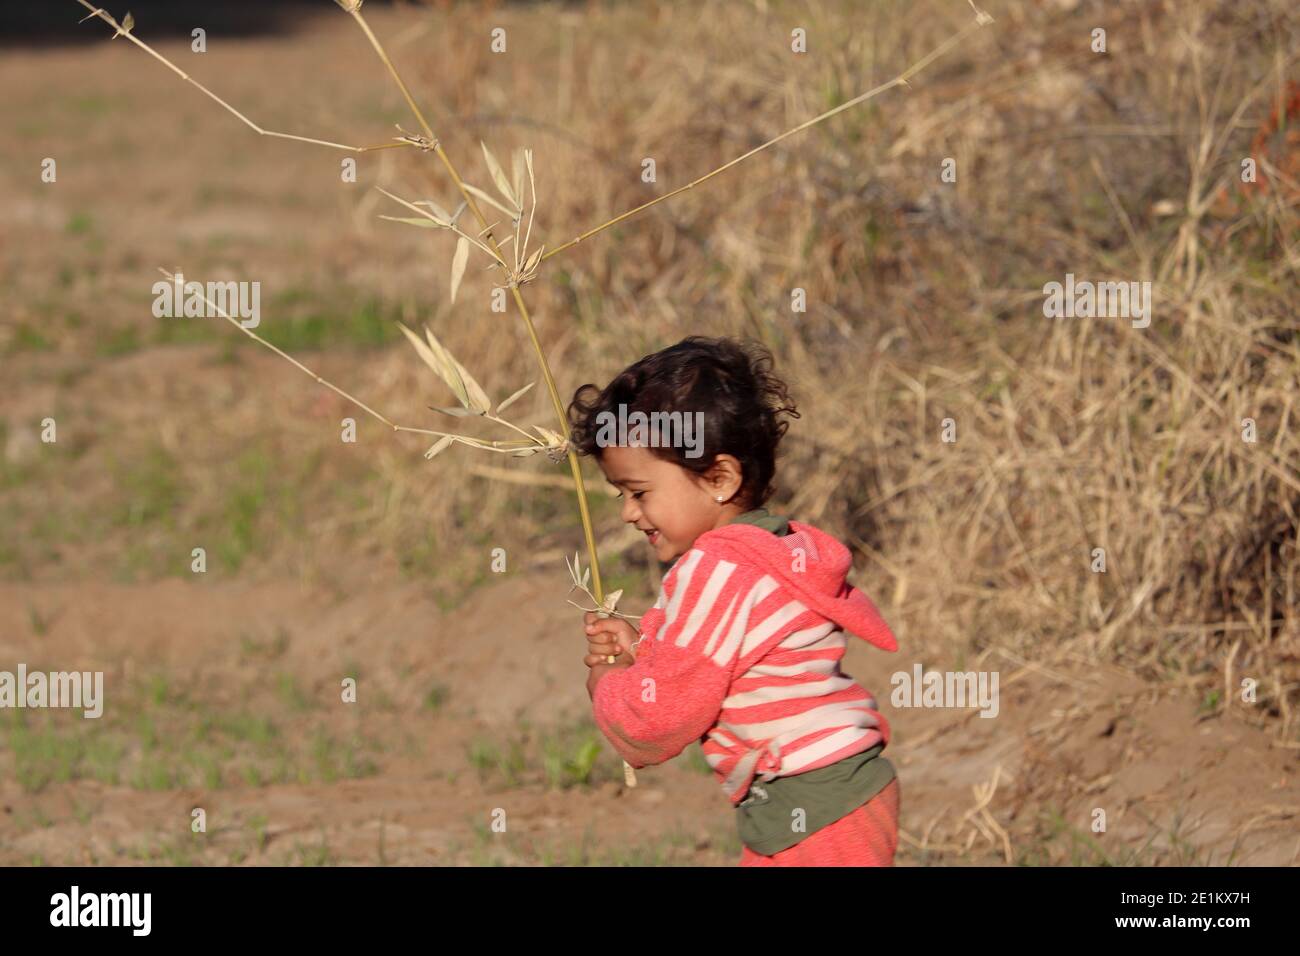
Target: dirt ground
(225, 693)
(1068, 740)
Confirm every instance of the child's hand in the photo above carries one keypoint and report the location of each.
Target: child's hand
(607, 638)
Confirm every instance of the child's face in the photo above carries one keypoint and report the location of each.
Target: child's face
(672, 505)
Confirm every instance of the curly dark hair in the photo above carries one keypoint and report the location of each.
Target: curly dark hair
(746, 408)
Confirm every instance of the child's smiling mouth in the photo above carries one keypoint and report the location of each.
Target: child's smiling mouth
(652, 535)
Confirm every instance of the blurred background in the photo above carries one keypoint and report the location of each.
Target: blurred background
(1121, 691)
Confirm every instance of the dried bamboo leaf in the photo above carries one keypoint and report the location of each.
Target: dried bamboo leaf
(532, 183)
(409, 205)
(454, 412)
(511, 400)
(474, 396)
(451, 369)
(517, 169)
(458, 263)
(432, 360)
(436, 209)
(439, 446)
(478, 398)
(417, 221)
(444, 365)
(499, 177)
(487, 198)
(550, 437)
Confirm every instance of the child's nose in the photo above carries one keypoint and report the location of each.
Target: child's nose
(631, 513)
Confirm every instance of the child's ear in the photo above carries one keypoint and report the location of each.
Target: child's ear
(725, 477)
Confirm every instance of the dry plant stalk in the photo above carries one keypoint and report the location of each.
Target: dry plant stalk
(521, 268)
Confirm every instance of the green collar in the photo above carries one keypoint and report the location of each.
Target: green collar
(764, 519)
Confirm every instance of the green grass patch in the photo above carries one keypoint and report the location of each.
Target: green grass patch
(571, 755)
(315, 854)
(246, 498)
(267, 649)
(437, 697)
(562, 757)
(79, 224)
(28, 339)
(155, 738)
(296, 320)
(339, 760)
(91, 105)
(121, 341)
(1057, 841)
(454, 573)
(148, 488)
(696, 761)
(292, 694)
(504, 763)
(299, 321)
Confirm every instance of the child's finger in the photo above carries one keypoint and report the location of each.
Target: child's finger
(612, 625)
(609, 626)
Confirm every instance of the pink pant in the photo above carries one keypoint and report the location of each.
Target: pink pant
(866, 837)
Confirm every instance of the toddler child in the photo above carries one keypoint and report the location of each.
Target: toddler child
(741, 651)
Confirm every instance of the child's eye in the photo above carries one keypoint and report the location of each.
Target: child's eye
(637, 494)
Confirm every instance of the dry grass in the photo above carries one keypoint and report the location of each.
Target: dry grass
(1073, 434)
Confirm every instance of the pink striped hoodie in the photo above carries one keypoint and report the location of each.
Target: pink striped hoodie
(741, 651)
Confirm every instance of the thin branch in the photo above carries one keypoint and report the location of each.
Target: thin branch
(502, 421)
(505, 447)
(293, 361)
(121, 31)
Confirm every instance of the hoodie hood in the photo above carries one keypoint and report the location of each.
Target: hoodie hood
(818, 577)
